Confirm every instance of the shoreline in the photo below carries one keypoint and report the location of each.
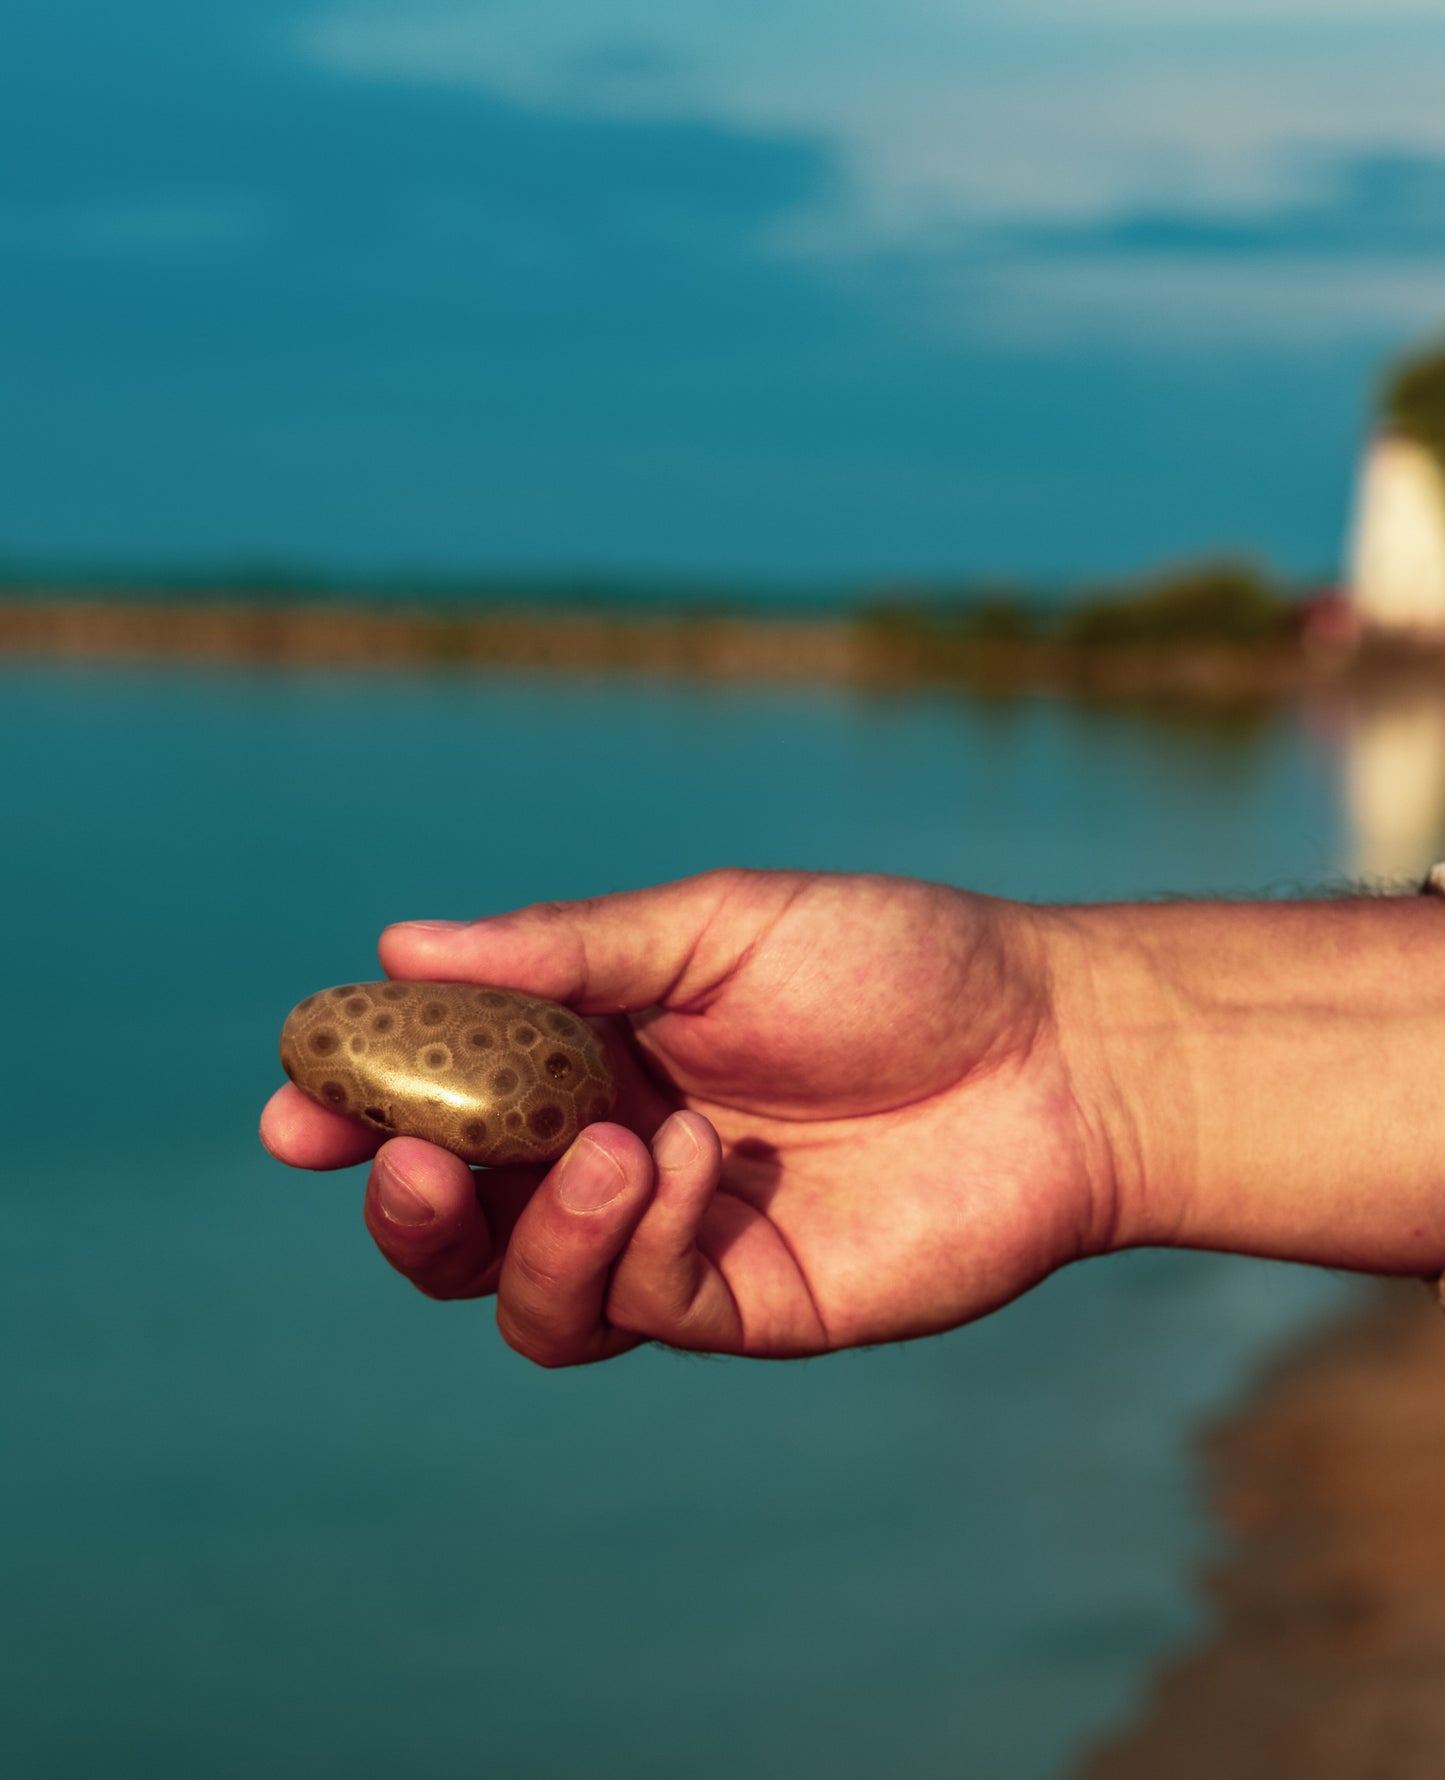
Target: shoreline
(1327, 1656)
(131, 625)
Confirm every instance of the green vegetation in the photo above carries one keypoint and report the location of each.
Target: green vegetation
(1414, 401)
(967, 614)
(1219, 602)
(935, 631)
(938, 635)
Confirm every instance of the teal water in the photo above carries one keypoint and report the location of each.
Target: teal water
(265, 1511)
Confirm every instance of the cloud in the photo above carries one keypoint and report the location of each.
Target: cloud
(1378, 207)
(1250, 14)
(512, 162)
(240, 140)
(940, 114)
(1362, 259)
(258, 201)
(717, 283)
(1159, 303)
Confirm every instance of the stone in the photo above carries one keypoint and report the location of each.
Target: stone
(494, 1075)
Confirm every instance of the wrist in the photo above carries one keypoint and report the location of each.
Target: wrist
(1117, 1022)
(1264, 1076)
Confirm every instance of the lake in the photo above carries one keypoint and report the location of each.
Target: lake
(263, 1509)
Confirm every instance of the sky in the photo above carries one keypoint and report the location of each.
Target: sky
(803, 291)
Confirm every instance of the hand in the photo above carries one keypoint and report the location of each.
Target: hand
(846, 1117)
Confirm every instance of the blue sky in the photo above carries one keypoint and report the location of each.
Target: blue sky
(805, 289)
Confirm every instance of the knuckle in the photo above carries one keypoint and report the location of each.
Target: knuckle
(555, 914)
(447, 1290)
(524, 1339)
(449, 1266)
(726, 878)
(443, 1278)
(540, 1277)
(412, 1250)
(647, 1304)
(692, 1321)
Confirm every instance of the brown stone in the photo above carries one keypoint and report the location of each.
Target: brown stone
(453, 1063)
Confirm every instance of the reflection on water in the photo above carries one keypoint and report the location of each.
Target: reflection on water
(263, 1510)
(1394, 777)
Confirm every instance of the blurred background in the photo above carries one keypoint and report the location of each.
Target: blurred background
(970, 332)
(1034, 288)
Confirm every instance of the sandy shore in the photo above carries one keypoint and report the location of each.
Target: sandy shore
(1328, 1662)
(127, 624)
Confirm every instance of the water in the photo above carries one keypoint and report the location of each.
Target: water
(265, 1510)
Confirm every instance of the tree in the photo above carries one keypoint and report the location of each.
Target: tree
(1414, 402)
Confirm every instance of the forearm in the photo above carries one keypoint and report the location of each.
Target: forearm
(1267, 1078)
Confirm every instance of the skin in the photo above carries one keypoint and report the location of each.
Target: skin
(856, 1109)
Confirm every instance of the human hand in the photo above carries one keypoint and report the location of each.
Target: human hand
(846, 1117)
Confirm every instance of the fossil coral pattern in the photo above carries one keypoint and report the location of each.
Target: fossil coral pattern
(494, 1075)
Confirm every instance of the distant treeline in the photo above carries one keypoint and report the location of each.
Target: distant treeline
(1224, 602)
(1219, 603)
(1413, 401)
(1214, 633)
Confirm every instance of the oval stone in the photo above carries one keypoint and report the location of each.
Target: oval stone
(494, 1075)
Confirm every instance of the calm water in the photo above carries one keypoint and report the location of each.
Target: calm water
(264, 1510)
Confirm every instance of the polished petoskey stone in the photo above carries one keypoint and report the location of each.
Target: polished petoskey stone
(494, 1075)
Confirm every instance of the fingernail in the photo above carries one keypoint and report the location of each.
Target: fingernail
(675, 1145)
(401, 1203)
(434, 926)
(591, 1177)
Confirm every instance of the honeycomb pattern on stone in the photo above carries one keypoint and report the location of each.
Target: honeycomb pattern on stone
(494, 1075)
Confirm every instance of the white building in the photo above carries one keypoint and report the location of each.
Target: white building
(1397, 566)
(1395, 786)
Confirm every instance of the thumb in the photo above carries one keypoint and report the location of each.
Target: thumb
(665, 946)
